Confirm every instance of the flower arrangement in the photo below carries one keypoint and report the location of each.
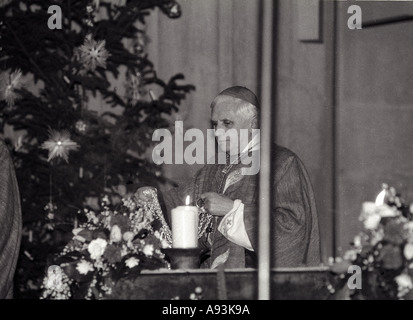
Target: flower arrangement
(383, 250)
(117, 242)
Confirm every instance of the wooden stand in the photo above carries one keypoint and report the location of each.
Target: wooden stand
(241, 284)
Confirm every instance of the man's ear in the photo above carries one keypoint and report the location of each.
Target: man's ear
(254, 123)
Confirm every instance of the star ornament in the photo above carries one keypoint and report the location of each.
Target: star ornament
(93, 53)
(59, 145)
(8, 86)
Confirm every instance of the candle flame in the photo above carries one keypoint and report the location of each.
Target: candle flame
(380, 198)
(187, 200)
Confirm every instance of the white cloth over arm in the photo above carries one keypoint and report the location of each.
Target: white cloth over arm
(233, 228)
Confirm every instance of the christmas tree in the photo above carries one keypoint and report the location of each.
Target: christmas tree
(67, 155)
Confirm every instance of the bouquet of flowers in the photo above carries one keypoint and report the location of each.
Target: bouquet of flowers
(112, 244)
(383, 251)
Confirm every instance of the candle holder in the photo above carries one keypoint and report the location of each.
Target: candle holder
(183, 258)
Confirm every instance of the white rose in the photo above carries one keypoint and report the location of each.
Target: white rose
(97, 247)
(115, 234)
(128, 236)
(372, 222)
(148, 249)
(377, 236)
(367, 209)
(132, 262)
(165, 244)
(404, 283)
(84, 267)
(408, 251)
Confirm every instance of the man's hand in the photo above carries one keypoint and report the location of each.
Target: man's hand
(217, 204)
(140, 194)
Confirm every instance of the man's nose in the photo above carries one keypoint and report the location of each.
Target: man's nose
(219, 130)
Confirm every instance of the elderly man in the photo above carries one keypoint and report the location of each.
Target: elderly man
(230, 195)
(10, 222)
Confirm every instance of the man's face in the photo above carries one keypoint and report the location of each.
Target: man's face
(225, 117)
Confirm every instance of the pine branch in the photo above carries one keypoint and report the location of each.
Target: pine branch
(27, 54)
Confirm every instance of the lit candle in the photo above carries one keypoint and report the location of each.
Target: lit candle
(185, 226)
(30, 236)
(381, 196)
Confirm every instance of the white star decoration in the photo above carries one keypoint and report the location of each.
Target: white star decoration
(59, 145)
(8, 86)
(93, 53)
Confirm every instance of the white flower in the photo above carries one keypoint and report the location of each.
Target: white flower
(372, 222)
(377, 236)
(124, 250)
(367, 209)
(128, 236)
(91, 217)
(387, 211)
(84, 267)
(369, 215)
(350, 255)
(404, 280)
(115, 234)
(97, 247)
(408, 251)
(404, 283)
(165, 243)
(148, 249)
(132, 262)
(129, 203)
(54, 278)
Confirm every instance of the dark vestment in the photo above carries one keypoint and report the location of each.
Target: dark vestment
(10, 222)
(295, 230)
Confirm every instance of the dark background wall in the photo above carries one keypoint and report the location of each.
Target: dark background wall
(374, 109)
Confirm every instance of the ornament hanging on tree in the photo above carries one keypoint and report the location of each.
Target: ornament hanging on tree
(59, 145)
(81, 126)
(142, 41)
(90, 14)
(134, 87)
(9, 84)
(172, 9)
(50, 209)
(93, 53)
